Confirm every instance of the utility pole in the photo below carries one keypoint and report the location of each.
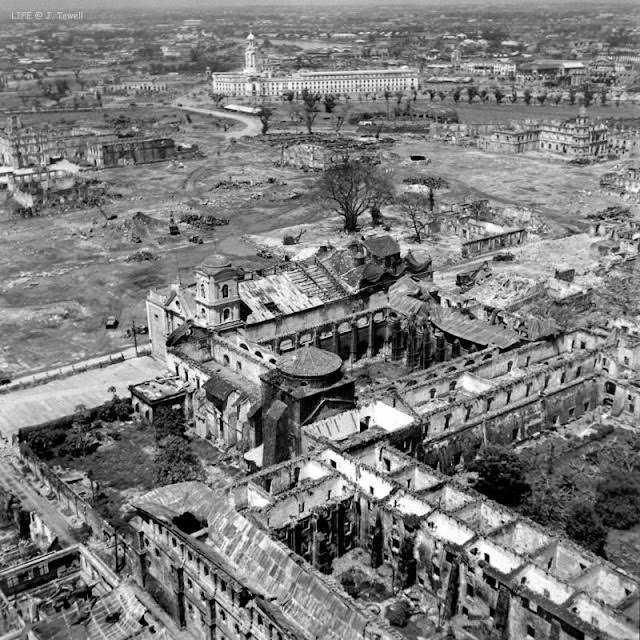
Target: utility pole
(135, 336)
(115, 537)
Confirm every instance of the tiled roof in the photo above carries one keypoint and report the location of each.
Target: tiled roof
(381, 246)
(310, 604)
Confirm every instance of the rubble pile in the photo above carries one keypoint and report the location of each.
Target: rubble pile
(141, 256)
(502, 290)
(203, 222)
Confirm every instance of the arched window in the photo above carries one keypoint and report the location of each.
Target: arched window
(225, 359)
(225, 290)
(239, 366)
(226, 314)
(203, 291)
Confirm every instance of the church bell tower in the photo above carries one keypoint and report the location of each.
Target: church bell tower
(251, 55)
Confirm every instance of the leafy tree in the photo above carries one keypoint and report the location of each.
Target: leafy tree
(541, 98)
(44, 442)
(176, 462)
(585, 527)
(329, 103)
(618, 499)
(572, 96)
(456, 94)
(414, 207)
(484, 94)
(167, 422)
(603, 97)
(498, 95)
(431, 93)
(397, 613)
(472, 92)
(352, 187)
(527, 96)
(514, 96)
(265, 117)
(501, 475)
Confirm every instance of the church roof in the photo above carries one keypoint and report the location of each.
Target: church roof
(381, 246)
(309, 362)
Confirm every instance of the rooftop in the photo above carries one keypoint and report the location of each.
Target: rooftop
(157, 390)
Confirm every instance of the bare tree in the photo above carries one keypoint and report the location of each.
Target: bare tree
(340, 115)
(308, 110)
(387, 96)
(415, 207)
(352, 187)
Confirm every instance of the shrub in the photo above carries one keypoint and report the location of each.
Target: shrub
(586, 528)
(397, 613)
(618, 499)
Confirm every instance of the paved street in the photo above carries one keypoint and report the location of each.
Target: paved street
(59, 398)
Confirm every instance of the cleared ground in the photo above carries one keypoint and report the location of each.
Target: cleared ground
(65, 273)
(59, 398)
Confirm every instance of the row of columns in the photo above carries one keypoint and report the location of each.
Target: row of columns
(479, 246)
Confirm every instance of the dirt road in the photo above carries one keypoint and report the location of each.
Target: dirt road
(252, 124)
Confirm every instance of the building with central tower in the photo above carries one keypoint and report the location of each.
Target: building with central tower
(252, 81)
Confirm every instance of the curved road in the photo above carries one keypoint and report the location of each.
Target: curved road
(253, 126)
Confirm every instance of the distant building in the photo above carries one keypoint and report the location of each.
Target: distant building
(571, 72)
(498, 68)
(22, 146)
(578, 138)
(252, 81)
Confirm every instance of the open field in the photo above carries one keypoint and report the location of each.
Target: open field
(36, 405)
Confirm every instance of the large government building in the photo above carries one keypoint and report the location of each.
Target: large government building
(253, 81)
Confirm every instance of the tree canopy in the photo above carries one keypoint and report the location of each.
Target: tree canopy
(167, 422)
(501, 475)
(176, 462)
(584, 526)
(352, 187)
(618, 499)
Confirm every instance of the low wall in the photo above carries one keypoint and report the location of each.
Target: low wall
(43, 377)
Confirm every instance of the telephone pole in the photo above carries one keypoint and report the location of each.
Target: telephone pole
(135, 336)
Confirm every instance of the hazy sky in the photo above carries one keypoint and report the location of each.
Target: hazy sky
(71, 5)
(7, 6)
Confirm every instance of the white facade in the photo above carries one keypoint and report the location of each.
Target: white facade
(252, 82)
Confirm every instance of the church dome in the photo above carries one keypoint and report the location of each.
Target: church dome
(310, 362)
(214, 263)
